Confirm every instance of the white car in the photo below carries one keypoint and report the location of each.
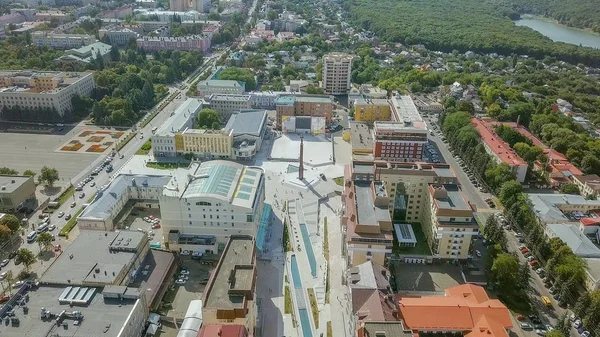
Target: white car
(61, 214)
(18, 284)
(183, 277)
(185, 272)
(185, 252)
(51, 227)
(585, 334)
(540, 332)
(3, 275)
(4, 262)
(147, 219)
(180, 281)
(478, 253)
(577, 324)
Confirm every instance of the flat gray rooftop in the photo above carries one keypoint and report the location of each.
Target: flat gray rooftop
(90, 251)
(444, 172)
(363, 168)
(239, 252)
(99, 314)
(455, 200)
(367, 212)
(10, 183)
(360, 136)
(247, 121)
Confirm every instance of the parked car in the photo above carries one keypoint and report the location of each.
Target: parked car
(180, 281)
(585, 334)
(51, 227)
(68, 217)
(73, 204)
(526, 326)
(577, 324)
(61, 214)
(185, 252)
(3, 275)
(4, 262)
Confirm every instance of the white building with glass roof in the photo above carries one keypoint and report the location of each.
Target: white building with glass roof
(205, 204)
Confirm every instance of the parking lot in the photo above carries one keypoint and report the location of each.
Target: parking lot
(180, 295)
(426, 278)
(138, 219)
(32, 151)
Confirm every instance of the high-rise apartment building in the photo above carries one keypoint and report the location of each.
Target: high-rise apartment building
(337, 73)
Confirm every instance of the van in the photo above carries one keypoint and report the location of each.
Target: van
(42, 227)
(31, 237)
(547, 302)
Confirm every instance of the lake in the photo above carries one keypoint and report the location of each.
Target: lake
(561, 33)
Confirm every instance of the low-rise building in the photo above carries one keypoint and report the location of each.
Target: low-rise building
(86, 55)
(570, 234)
(164, 141)
(143, 190)
(205, 143)
(118, 36)
(229, 296)
(448, 222)
(248, 128)
(203, 205)
(52, 15)
(399, 141)
(592, 274)
(465, 309)
(303, 106)
(371, 295)
(228, 330)
(31, 90)
(199, 43)
(561, 208)
(61, 41)
(499, 150)
(589, 185)
(370, 110)
(211, 87)
(226, 104)
(264, 99)
(15, 191)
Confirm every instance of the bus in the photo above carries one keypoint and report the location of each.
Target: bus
(547, 302)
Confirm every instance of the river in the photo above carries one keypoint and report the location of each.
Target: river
(561, 33)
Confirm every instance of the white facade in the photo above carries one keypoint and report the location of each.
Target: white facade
(61, 41)
(225, 105)
(264, 99)
(118, 37)
(213, 200)
(210, 87)
(58, 87)
(337, 73)
(163, 140)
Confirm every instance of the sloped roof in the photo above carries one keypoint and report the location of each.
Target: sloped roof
(464, 308)
(575, 239)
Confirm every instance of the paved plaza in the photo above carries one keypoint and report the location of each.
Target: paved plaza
(34, 151)
(318, 150)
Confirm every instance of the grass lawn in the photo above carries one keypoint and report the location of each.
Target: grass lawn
(166, 166)
(422, 247)
(288, 300)
(145, 149)
(68, 193)
(70, 225)
(339, 180)
(313, 306)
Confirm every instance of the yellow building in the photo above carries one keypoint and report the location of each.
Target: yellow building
(448, 222)
(213, 143)
(406, 184)
(370, 110)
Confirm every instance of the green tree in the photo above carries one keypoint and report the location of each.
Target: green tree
(314, 90)
(48, 175)
(493, 232)
(207, 119)
(505, 271)
(26, 257)
(272, 15)
(44, 240)
(8, 171)
(10, 221)
(29, 173)
(555, 333)
(509, 192)
(569, 188)
(4, 233)
(240, 74)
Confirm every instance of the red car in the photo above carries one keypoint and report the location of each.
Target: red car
(57, 248)
(156, 226)
(4, 298)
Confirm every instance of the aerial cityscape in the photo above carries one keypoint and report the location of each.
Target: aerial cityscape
(310, 168)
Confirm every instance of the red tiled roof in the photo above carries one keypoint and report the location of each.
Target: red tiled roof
(464, 308)
(500, 148)
(590, 221)
(222, 330)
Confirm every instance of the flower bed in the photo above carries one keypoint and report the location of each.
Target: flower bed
(95, 139)
(117, 135)
(73, 146)
(96, 148)
(85, 133)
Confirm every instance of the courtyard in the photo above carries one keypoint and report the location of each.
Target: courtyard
(417, 278)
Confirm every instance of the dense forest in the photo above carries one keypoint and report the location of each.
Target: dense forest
(575, 13)
(461, 25)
